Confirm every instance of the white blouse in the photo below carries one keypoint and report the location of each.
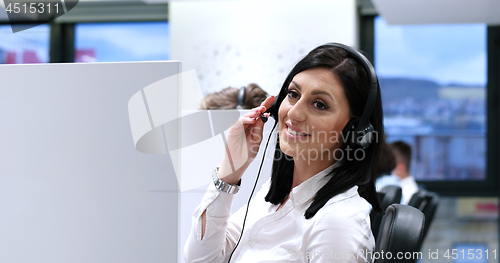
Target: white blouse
(339, 232)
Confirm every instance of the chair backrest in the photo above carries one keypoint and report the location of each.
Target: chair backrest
(390, 194)
(426, 202)
(429, 209)
(417, 199)
(400, 235)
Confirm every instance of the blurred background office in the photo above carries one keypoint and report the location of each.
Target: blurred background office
(438, 64)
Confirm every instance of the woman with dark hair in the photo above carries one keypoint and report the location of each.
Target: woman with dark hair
(315, 207)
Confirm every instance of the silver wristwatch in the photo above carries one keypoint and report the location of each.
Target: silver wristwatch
(223, 186)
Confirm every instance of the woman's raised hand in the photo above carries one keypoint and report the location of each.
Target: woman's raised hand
(242, 143)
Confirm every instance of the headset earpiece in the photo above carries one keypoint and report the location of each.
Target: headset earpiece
(366, 136)
(357, 138)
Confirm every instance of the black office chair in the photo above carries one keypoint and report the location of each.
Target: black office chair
(426, 202)
(430, 210)
(417, 198)
(400, 235)
(390, 194)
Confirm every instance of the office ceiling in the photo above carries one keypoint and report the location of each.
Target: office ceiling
(402, 12)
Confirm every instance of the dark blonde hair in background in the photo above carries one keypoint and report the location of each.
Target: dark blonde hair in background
(228, 98)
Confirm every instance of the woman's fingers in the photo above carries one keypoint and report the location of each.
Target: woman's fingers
(268, 102)
(257, 111)
(248, 120)
(244, 139)
(252, 118)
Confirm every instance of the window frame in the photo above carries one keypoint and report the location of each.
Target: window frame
(62, 29)
(490, 186)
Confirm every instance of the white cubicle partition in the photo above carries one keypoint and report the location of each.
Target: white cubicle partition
(73, 188)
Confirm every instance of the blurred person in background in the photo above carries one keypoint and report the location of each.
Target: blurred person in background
(247, 97)
(407, 182)
(387, 163)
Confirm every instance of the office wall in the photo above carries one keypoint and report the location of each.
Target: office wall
(233, 43)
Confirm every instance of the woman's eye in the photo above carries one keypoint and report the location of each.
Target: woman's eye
(292, 94)
(320, 105)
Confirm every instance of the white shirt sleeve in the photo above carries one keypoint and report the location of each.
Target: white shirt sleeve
(222, 230)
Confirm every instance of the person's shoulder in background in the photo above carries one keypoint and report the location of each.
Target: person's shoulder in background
(384, 180)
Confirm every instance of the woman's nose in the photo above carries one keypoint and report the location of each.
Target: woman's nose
(298, 111)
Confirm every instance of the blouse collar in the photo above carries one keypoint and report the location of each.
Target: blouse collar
(306, 191)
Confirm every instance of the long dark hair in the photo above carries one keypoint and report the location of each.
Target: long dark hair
(355, 82)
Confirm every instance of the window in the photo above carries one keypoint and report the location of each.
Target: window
(113, 42)
(29, 46)
(433, 82)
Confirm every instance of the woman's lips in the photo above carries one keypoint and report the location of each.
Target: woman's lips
(294, 132)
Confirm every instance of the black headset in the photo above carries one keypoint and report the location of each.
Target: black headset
(241, 97)
(358, 132)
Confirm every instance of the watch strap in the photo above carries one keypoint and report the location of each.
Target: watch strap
(223, 186)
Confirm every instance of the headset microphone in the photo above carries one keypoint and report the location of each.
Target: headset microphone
(263, 118)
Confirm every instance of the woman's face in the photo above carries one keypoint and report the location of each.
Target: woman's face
(312, 116)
